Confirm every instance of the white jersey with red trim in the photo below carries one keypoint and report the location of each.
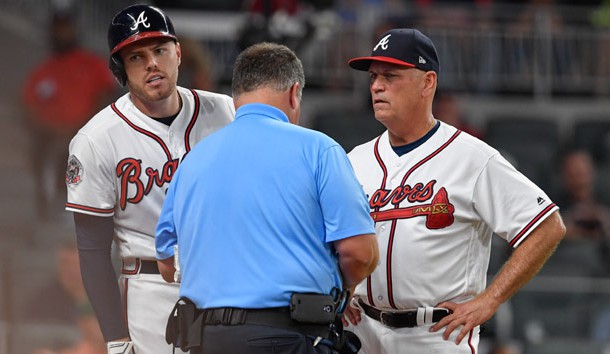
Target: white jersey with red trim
(435, 209)
(121, 163)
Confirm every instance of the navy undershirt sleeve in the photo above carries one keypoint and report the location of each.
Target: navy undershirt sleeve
(94, 236)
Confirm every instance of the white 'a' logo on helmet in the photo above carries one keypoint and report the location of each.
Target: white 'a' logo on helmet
(141, 20)
(383, 43)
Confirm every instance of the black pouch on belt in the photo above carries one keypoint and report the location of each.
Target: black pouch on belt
(180, 320)
(313, 308)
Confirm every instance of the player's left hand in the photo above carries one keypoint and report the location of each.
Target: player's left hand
(467, 314)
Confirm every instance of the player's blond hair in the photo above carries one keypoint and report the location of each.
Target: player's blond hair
(267, 65)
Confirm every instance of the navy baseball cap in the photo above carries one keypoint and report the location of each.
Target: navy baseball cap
(402, 46)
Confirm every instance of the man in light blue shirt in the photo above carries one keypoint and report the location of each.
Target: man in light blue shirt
(264, 209)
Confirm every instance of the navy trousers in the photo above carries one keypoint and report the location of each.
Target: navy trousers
(256, 339)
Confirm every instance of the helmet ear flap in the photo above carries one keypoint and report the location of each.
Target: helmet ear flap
(116, 66)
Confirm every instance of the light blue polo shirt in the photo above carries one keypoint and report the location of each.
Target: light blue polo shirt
(255, 208)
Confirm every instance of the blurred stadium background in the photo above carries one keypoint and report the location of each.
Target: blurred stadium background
(533, 77)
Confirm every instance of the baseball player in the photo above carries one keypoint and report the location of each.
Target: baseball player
(437, 194)
(119, 168)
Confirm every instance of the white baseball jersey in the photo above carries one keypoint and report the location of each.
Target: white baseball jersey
(435, 209)
(121, 163)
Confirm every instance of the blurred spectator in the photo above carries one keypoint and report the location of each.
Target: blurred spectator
(589, 220)
(91, 340)
(447, 109)
(583, 214)
(600, 18)
(59, 95)
(207, 5)
(290, 22)
(600, 329)
(447, 14)
(63, 302)
(460, 18)
(196, 69)
(537, 34)
(269, 7)
(538, 16)
(272, 21)
(586, 218)
(63, 297)
(501, 348)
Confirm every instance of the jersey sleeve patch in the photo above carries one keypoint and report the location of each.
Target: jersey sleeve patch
(74, 171)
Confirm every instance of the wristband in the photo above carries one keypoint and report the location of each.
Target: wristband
(119, 347)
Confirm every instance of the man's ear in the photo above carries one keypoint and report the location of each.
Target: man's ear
(295, 101)
(179, 52)
(429, 83)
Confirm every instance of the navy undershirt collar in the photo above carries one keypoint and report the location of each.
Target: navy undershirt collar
(403, 149)
(167, 120)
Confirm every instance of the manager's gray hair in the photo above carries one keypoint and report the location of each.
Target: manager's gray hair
(267, 65)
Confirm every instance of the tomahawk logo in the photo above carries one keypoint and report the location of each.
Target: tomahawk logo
(383, 43)
(141, 20)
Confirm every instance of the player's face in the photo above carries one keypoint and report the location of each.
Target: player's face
(395, 91)
(152, 68)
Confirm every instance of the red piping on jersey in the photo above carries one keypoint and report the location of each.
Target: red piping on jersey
(369, 291)
(187, 144)
(143, 131)
(404, 180)
(394, 222)
(88, 208)
(531, 223)
(473, 350)
(381, 164)
(389, 264)
(125, 317)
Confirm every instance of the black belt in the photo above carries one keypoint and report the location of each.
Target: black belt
(149, 267)
(278, 317)
(399, 319)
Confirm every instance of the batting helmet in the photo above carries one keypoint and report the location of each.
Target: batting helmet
(130, 25)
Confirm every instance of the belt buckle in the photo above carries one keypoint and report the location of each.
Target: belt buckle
(381, 318)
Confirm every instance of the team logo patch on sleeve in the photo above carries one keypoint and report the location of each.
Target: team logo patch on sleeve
(74, 172)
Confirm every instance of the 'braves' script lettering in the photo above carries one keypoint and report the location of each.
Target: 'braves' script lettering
(129, 171)
(417, 193)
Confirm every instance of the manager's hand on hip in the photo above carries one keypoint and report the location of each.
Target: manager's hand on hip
(467, 314)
